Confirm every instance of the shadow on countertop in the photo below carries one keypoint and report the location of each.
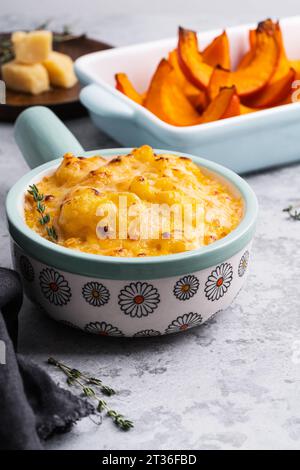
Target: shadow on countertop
(40, 335)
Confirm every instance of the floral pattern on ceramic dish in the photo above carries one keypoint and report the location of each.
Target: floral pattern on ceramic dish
(186, 287)
(186, 321)
(95, 294)
(243, 263)
(218, 281)
(139, 299)
(103, 329)
(143, 333)
(54, 287)
(108, 307)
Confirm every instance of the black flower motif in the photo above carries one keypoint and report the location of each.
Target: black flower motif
(243, 264)
(218, 282)
(143, 333)
(26, 268)
(186, 287)
(95, 294)
(139, 299)
(55, 287)
(103, 329)
(186, 321)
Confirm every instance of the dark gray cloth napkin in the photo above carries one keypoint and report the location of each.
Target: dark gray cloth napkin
(32, 406)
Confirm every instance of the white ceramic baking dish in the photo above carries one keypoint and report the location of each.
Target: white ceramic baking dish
(119, 296)
(244, 143)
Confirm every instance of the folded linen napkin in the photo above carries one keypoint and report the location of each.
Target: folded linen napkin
(33, 407)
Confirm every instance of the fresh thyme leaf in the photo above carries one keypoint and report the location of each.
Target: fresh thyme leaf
(107, 390)
(6, 43)
(75, 373)
(88, 391)
(85, 382)
(52, 361)
(101, 405)
(6, 51)
(40, 207)
(70, 381)
(292, 212)
(43, 25)
(95, 381)
(51, 232)
(45, 219)
(120, 421)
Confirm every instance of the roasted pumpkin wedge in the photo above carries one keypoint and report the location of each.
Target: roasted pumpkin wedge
(273, 93)
(283, 65)
(191, 61)
(295, 64)
(193, 87)
(217, 52)
(249, 55)
(256, 75)
(226, 104)
(196, 97)
(124, 85)
(246, 109)
(246, 59)
(166, 99)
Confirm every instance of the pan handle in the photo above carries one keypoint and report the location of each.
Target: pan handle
(41, 136)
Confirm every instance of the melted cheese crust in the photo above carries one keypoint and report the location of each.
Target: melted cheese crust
(79, 186)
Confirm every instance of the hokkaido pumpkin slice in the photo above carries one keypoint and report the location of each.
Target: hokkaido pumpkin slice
(246, 59)
(283, 65)
(166, 99)
(273, 93)
(295, 64)
(217, 52)
(191, 61)
(249, 55)
(197, 98)
(226, 104)
(124, 85)
(256, 75)
(246, 109)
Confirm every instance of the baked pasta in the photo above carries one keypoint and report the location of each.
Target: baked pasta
(136, 205)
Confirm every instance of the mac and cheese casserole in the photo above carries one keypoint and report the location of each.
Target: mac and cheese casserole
(141, 204)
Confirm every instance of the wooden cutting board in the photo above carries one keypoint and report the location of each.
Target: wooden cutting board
(65, 103)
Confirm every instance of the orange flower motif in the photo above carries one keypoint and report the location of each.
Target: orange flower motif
(218, 282)
(184, 322)
(139, 299)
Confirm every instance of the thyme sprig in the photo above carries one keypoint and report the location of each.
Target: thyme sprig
(41, 208)
(292, 212)
(7, 50)
(89, 386)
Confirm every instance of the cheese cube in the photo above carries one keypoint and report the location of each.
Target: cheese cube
(60, 69)
(25, 78)
(32, 47)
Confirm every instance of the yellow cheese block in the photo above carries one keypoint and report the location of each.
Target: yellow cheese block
(25, 78)
(60, 69)
(32, 47)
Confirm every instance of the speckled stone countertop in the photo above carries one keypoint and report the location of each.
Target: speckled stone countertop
(232, 383)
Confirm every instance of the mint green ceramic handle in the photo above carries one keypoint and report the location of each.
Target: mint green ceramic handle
(42, 137)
